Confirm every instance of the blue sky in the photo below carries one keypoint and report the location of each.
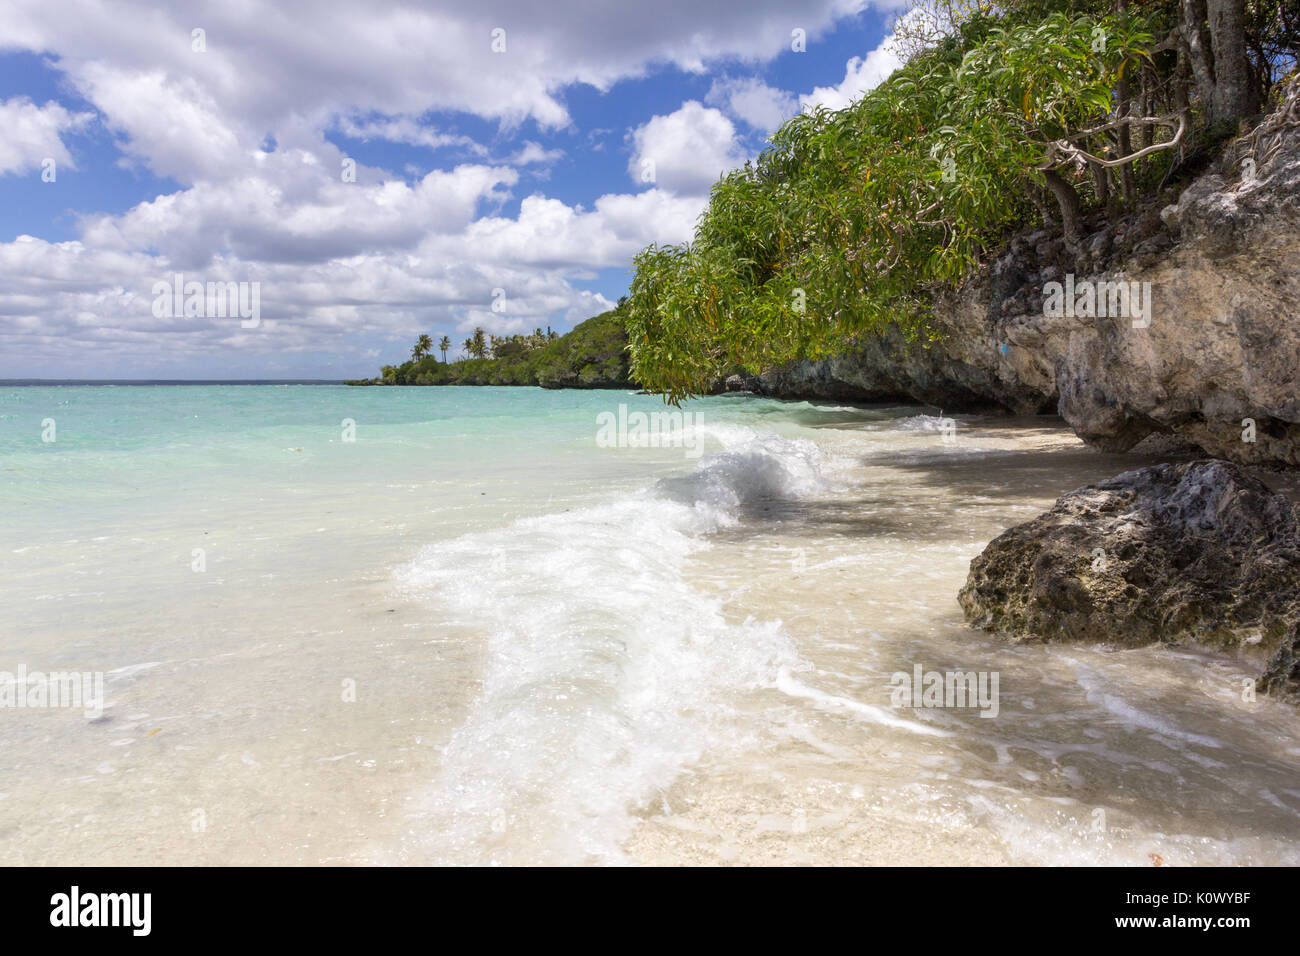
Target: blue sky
(509, 159)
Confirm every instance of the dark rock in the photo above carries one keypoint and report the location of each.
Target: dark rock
(1196, 553)
(742, 382)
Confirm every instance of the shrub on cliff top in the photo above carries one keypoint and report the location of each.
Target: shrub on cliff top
(848, 218)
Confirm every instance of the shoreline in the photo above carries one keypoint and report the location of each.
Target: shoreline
(827, 811)
(758, 602)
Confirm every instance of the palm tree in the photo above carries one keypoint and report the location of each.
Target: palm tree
(478, 343)
(423, 346)
(444, 343)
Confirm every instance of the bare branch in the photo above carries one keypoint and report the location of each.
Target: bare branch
(1067, 151)
(1170, 120)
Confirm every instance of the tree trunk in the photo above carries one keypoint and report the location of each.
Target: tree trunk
(1068, 201)
(1234, 87)
(1215, 35)
(1125, 144)
(1125, 140)
(1198, 48)
(1182, 84)
(1147, 109)
(1100, 181)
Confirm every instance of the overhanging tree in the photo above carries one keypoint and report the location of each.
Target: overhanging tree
(848, 219)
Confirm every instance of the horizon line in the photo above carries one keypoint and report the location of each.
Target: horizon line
(172, 381)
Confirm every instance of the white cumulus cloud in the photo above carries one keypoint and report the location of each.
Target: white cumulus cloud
(31, 134)
(861, 75)
(685, 151)
(383, 255)
(751, 100)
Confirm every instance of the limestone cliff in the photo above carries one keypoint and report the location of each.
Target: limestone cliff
(1220, 345)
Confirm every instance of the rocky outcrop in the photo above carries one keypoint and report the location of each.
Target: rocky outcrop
(741, 382)
(1215, 361)
(1192, 553)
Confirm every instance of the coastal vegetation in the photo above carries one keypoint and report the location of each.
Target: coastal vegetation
(1070, 116)
(593, 355)
(1003, 117)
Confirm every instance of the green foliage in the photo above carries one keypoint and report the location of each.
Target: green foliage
(423, 346)
(477, 344)
(848, 219)
(592, 355)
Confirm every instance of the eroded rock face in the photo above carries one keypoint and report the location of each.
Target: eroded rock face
(1193, 553)
(1216, 365)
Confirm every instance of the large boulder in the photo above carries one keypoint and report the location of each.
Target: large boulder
(1194, 553)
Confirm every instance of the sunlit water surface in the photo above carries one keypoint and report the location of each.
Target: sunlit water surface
(474, 634)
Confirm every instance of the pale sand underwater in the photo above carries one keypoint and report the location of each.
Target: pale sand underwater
(474, 635)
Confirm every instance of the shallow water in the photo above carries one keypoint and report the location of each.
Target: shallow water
(476, 635)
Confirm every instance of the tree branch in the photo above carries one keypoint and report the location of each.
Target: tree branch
(1067, 151)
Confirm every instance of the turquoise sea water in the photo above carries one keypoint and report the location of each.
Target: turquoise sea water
(142, 443)
(481, 632)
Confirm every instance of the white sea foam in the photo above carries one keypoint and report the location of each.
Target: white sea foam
(924, 423)
(878, 715)
(607, 672)
(1099, 693)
